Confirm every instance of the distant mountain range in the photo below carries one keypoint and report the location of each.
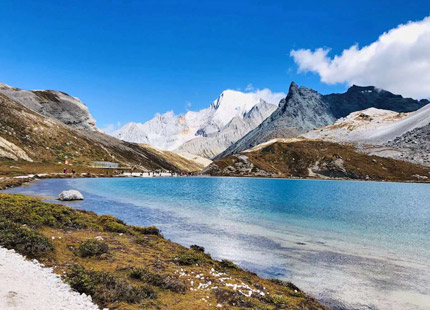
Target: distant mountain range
(305, 109)
(211, 130)
(238, 121)
(52, 126)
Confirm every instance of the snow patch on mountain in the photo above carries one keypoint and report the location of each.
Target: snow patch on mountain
(211, 145)
(169, 131)
(356, 126)
(304, 109)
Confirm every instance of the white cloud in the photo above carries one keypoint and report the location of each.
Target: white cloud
(109, 128)
(399, 61)
(269, 96)
(187, 105)
(249, 87)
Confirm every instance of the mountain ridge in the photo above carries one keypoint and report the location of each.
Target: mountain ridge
(305, 109)
(169, 131)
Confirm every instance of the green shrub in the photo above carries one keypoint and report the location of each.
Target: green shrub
(192, 258)
(151, 230)
(112, 224)
(228, 264)
(35, 213)
(147, 277)
(163, 281)
(197, 248)
(295, 290)
(105, 288)
(24, 240)
(92, 247)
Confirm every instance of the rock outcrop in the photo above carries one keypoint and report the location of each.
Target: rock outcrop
(51, 103)
(70, 195)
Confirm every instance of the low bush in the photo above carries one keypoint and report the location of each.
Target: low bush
(228, 264)
(24, 240)
(92, 247)
(192, 258)
(151, 230)
(197, 248)
(35, 213)
(294, 290)
(112, 224)
(163, 281)
(105, 288)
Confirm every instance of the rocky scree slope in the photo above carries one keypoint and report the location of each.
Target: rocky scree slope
(386, 133)
(214, 143)
(304, 109)
(51, 103)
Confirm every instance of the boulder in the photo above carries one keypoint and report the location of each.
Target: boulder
(70, 195)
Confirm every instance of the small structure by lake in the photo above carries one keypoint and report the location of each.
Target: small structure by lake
(105, 164)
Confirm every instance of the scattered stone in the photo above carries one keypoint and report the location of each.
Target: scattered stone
(70, 195)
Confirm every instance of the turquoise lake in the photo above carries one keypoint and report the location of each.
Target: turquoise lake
(352, 245)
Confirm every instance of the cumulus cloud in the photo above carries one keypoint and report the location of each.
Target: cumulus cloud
(399, 61)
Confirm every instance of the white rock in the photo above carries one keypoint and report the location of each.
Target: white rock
(70, 195)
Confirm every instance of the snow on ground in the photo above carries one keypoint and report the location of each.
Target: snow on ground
(357, 126)
(372, 126)
(26, 285)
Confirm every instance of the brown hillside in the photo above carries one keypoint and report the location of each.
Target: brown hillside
(46, 140)
(316, 159)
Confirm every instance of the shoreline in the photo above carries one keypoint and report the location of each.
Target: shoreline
(182, 271)
(199, 240)
(16, 181)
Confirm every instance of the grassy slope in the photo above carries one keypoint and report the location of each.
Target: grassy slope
(320, 159)
(181, 162)
(49, 141)
(126, 267)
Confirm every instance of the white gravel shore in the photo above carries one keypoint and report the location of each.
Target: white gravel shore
(26, 285)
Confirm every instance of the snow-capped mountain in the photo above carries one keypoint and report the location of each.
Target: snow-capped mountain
(382, 132)
(169, 131)
(304, 109)
(212, 144)
(59, 105)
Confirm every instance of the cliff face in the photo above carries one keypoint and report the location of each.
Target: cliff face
(51, 103)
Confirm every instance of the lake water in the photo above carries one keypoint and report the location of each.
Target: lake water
(352, 245)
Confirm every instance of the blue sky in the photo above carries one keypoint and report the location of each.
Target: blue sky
(129, 59)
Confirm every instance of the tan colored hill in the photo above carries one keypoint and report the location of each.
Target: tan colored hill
(29, 136)
(315, 159)
(178, 160)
